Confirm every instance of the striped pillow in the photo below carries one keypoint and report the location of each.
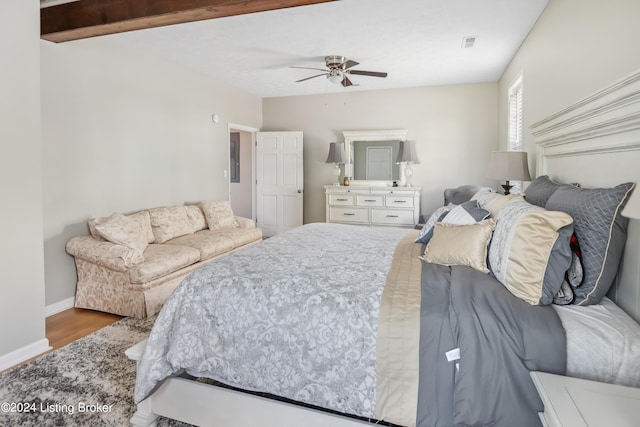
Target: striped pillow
(529, 252)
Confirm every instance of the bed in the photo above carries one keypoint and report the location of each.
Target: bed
(362, 324)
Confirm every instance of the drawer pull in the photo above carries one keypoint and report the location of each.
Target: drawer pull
(392, 216)
(399, 201)
(342, 200)
(369, 200)
(348, 214)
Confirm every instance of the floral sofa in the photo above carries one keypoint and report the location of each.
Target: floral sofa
(130, 264)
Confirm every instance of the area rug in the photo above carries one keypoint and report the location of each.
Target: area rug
(86, 383)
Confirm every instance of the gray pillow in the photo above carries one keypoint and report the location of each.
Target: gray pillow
(462, 194)
(427, 229)
(601, 231)
(464, 214)
(539, 191)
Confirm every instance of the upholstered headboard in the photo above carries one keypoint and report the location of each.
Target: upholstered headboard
(596, 143)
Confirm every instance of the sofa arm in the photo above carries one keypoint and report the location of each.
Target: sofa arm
(107, 254)
(245, 222)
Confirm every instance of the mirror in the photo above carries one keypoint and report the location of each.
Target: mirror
(370, 156)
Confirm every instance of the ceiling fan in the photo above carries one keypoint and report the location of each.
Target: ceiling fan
(338, 69)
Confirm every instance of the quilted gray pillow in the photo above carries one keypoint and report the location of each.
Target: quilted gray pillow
(539, 191)
(601, 231)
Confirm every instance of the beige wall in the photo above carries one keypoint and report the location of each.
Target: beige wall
(455, 129)
(123, 131)
(21, 266)
(576, 48)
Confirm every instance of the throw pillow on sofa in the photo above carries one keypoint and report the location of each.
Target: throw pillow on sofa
(218, 214)
(142, 216)
(124, 230)
(169, 222)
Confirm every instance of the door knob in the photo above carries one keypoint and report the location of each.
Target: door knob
(299, 190)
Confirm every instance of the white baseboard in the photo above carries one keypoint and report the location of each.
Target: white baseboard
(27, 352)
(59, 306)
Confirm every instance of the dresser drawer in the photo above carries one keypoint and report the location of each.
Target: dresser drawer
(341, 199)
(368, 200)
(399, 201)
(348, 214)
(392, 216)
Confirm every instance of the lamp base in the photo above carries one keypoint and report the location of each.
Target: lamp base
(507, 188)
(336, 175)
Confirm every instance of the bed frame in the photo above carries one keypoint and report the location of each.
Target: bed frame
(594, 142)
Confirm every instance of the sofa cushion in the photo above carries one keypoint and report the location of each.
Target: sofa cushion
(239, 236)
(169, 222)
(129, 231)
(196, 216)
(209, 245)
(160, 260)
(142, 216)
(218, 214)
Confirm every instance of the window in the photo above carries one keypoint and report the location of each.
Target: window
(516, 142)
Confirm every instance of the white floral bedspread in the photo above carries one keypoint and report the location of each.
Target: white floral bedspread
(295, 316)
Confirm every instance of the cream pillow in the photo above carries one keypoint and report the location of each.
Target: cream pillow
(218, 214)
(170, 222)
(124, 230)
(196, 216)
(142, 216)
(460, 244)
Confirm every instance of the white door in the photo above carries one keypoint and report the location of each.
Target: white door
(279, 181)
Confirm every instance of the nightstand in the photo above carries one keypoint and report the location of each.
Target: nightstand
(572, 402)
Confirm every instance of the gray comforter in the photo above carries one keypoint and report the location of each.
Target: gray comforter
(297, 316)
(501, 338)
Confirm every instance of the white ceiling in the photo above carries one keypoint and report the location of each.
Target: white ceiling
(418, 42)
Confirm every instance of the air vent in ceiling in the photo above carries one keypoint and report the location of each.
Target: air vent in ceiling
(468, 42)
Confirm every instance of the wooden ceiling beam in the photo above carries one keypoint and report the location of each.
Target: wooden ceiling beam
(91, 18)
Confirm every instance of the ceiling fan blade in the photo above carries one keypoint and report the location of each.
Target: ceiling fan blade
(309, 68)
(348, 64)
(367, 73)
(346, 82)
(312, 77)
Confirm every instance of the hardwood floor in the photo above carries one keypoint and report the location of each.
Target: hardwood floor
(70, 325)
(75, 323)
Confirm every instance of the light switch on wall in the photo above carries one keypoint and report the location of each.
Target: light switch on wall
(225, 173)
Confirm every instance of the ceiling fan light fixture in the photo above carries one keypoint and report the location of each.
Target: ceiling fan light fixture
(335, 78)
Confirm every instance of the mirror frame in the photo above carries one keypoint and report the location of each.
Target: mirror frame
(351, 136)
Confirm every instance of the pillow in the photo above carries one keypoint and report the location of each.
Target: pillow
(123, 230)
(540, 189)
(460, 244)
(169, 222)
(427, 229)
(493, 202)
(530, 253)
(601, 231)
(142, 216)
(463, 193)
(466, 213)
(196, 216)
(573, 276)
(218, 214)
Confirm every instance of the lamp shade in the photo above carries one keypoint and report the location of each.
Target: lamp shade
(509, 165)
(632, 208)
(407, 152)
(336, 153)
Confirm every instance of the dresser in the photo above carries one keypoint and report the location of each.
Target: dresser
(392, 206)
(573, 402)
